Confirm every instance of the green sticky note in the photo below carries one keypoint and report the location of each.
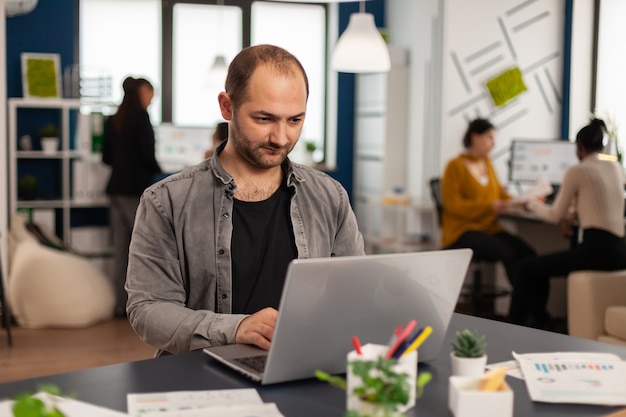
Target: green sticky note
(506, 86)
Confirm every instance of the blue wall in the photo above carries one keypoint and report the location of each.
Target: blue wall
(49, 28)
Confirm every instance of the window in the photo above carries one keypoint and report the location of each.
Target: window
(118, 38)
(305, 25)
(200, 34)
(175, 43)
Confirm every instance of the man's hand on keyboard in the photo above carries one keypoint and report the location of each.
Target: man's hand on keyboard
(258, 328)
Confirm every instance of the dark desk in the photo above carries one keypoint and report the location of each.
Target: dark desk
(108, 386)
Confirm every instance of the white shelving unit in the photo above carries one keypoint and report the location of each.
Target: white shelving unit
(380, 159)
(65, 155)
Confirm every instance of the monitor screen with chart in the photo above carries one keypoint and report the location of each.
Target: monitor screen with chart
(534, 159)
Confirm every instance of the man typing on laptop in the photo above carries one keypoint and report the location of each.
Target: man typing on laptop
(211, 245)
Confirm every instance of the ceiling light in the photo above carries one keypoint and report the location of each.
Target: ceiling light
(361, 48)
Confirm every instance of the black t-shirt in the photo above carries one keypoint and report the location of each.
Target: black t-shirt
(262, 246)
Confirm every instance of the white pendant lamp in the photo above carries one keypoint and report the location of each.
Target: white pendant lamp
(361, 48)
(219, 69)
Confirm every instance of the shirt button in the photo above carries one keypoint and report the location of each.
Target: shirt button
(221, 251)
(226, 215)
(224, 296)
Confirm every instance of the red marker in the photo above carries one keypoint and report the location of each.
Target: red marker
(357, 345)
(405, 333)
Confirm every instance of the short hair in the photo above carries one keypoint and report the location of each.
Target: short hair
(249, 59)
(476, 126)
(591, 137)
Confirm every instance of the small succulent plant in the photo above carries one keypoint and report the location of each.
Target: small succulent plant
(469, 344)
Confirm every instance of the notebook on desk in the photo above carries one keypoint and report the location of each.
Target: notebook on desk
(327, 301)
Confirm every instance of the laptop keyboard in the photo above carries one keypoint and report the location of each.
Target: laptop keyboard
(255, 362)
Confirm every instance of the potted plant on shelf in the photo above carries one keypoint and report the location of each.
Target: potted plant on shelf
(27, 187)
(468, 355)
(49, 137)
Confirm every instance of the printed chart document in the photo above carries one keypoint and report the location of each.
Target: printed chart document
(248, 410)
(540, 189)
(244, 402)
(574, 377)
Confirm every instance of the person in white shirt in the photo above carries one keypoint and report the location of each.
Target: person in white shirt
(591, 195)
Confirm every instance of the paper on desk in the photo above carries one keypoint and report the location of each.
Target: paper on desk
(246, 410)
(68, 406)
(540, 189)
(144, 404)
(574, 377)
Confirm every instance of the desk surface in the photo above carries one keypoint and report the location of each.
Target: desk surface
(108, 385)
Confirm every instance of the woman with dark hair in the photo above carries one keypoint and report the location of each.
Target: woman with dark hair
(592, 193)
(128, 147)
(473, 198)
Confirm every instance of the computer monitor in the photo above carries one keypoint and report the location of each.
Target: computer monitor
(532, 159)
(179, 147)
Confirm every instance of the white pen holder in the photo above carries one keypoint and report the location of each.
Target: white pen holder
(407, 364)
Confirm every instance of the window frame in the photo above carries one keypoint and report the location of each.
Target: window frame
(329, 126)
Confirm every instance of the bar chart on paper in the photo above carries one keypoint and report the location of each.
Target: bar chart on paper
(574, 377)
(568, 366)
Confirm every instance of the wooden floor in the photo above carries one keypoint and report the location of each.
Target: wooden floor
(42, 352)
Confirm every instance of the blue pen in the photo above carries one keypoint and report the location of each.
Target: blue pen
(407, 342)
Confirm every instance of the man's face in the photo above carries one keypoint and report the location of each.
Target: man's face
(267, 124)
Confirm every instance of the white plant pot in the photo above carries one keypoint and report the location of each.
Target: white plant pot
(468, 366)
(49, 145)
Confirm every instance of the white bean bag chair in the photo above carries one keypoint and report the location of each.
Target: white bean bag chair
(53, 288)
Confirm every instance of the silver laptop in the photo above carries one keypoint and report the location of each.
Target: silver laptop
(327, 301)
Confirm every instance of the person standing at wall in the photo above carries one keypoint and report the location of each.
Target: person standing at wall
(591, 194)
(473, 198)
(128, 147)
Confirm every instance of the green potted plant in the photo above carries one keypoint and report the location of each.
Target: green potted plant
(49, 137)
(27, 187)
(469, 357)
(382, 391)
(49, 130)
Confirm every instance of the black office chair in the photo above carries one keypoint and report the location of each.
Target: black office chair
(477, 293)
(4, 310)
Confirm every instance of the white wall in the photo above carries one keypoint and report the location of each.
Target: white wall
(415, 25)
(433, 29)
(483, 38)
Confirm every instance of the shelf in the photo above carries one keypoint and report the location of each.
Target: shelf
(50, 103)
(40, 203)
(66, 199)
(47, 155)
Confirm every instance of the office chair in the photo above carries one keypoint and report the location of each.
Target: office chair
(477, 292)
(4, 310)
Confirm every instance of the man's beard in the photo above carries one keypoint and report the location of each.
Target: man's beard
(256, 153)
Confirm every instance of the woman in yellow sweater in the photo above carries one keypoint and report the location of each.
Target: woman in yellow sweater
(473, 198)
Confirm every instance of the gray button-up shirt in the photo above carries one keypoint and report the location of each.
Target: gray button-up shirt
(179, 269)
